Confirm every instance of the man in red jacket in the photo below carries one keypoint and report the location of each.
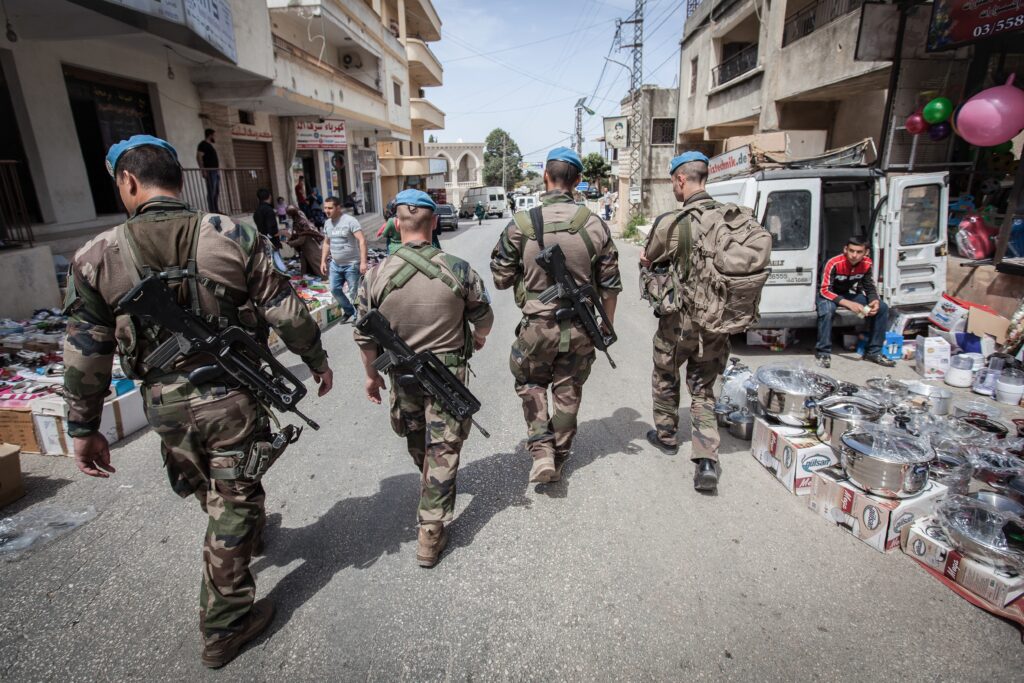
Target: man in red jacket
(846, 282)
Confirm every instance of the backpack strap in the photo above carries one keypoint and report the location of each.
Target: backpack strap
(418, 262)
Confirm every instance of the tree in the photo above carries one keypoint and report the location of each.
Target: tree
(595, 169)
(500, 147)
(431, 138)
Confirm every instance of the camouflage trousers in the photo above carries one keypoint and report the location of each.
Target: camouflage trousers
(677, 342)
(434, 439)
(541, 358)
(192, 425)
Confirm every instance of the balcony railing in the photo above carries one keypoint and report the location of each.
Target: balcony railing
(813, 17)
(15, 227)
(740, 63)
(236, 189)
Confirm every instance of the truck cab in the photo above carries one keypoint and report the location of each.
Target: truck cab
(811, 212)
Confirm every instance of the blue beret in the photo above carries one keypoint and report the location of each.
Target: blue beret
(567, 155)
(415, 198)
(685, 158)
(119, 148)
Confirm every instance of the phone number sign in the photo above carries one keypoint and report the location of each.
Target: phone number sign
(962, 22)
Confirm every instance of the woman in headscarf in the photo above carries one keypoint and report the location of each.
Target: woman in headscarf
(306, 240)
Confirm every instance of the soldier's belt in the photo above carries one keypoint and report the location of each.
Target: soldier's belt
(171, 389)
(253, 462)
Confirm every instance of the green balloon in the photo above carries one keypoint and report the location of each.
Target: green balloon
(938, 110)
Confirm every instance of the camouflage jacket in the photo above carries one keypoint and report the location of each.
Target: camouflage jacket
(663, 241)
(426, 312)
(514, 257)
(229, 254)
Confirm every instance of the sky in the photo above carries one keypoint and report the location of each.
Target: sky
(521, 65)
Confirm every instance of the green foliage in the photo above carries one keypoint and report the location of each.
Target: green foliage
(499, 145)
(595, 168)
(631, 231)
(431, 138)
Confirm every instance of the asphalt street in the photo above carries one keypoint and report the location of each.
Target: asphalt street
(619, 572)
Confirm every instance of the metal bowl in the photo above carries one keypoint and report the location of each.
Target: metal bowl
(972, 524)
(939, 399)
(885, 462)
(999, 502)
(741, 425)
(888, 391)
(790, 394)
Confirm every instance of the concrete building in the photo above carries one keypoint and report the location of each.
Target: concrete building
(465, 161)
(326, 89)
(659, 107)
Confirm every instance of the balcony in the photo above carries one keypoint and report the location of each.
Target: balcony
(813, 17)
(425, 115)
(423, 65)
(421, 20)
(405, 166)
(732, 68)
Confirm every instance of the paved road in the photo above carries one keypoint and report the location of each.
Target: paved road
(621, 571)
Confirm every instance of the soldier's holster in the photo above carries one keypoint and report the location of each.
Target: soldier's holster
(254, 461)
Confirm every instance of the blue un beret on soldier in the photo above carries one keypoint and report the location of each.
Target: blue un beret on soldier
(567, 155)
(415, 198)
(685, 158)
(119, 148)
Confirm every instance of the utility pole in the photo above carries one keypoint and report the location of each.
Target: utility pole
(579, 129)
(504, 147)
(636, 118)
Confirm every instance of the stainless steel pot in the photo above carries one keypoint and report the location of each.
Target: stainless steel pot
(839, 414)
(722, 409)
(887, 390)
(790, 394)
(741, 425)
(977, 526)
(950, 466)
(885, 462)
(940, 399)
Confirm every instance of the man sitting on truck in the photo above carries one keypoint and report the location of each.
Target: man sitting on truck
(846, 282)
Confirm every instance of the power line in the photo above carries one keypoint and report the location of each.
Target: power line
(535, 42)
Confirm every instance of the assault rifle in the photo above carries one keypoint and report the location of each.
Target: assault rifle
(583, 298)
(246, 363)
(423, 369)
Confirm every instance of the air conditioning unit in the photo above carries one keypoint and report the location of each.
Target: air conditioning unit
(351, 61)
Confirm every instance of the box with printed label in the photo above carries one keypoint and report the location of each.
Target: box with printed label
(931, 358)
(773, 338)
(792, 454)
(334, 313)
(875, 520)
(16, 428)
(948, 312)
(926, 542)
(11, 488)
(122, 416)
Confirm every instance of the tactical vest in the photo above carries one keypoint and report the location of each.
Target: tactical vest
(421, 261)
(138, 254)
(526, 222)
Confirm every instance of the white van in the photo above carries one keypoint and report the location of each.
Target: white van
(493, 199)
(525, 203)
(811, 212)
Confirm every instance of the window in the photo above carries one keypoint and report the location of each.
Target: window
(663, 131)
(787, 216)
(398, 91)
(693, 76)
(246, 117)
(919, 215)
(494, 197)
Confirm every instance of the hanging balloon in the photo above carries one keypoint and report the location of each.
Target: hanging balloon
(939, 131)
(915, 124)
(938, 110)
(993, 116)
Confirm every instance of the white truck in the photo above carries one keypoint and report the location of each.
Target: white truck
(493, 199)
(811, 212)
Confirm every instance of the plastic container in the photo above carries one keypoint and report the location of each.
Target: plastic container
(976, 409)
(985, 381)
(961, 371)
(1010, 386)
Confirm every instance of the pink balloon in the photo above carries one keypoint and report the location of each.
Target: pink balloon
(915, 124)
(993, 116)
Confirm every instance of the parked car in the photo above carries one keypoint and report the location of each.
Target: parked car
(593, 193)
(447, 218)
(526, 203)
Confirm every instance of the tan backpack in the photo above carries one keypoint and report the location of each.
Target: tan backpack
(727, 267)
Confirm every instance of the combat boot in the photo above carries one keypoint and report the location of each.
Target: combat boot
(218, 652)
(559, 466)
(543, 469)
(433, 538)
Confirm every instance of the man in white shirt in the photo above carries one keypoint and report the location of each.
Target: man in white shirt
(344, 254)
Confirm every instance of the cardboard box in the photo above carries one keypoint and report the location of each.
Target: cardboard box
(948, 312)
(931, 357)
(985, 322)
(792, 454)
(334, 313)
(927, 543)
(875, 520)
(122, 416)
(16, 428)
(11, 488)
(772, 338)
(275, 343)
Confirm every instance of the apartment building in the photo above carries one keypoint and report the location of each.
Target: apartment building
(327, 89)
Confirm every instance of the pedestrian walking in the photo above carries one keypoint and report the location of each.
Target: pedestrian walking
(480, 213)
(265, 218)
(548, 352)
(343, 255)
(434, 302)
(228, 274)
(209, 162)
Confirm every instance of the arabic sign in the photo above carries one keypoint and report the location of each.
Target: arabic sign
(730, 163)
(366, 160)
(211, 21)
(329, 134)
(535, 166)
(962, 22)
(243, 131)
(438, 166)
(616, 132)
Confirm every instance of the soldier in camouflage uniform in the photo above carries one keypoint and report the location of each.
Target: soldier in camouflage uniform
(432, 300)
(679, 340)
(547, 352)
(228, 274)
